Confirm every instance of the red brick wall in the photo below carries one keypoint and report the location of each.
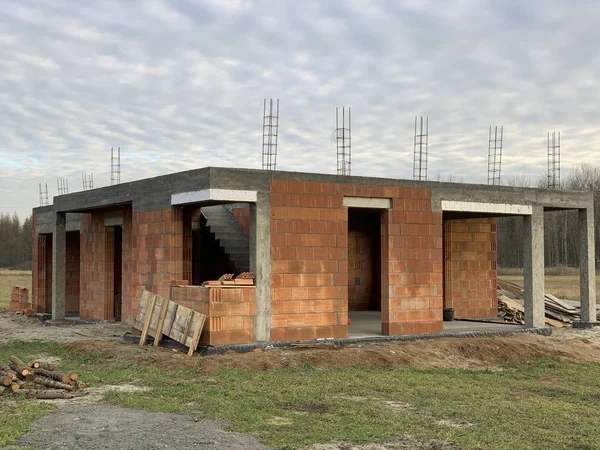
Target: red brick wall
(309, 270)
(72, 272)
(470, 267)
(97, 263)
(158, 253)
(230, 312)
(242, 217)
(38, 268)
(309, 251)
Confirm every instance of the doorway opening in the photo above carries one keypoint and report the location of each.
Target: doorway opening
(48, 274)
(118, 272)
(73, 243)
(364, 271)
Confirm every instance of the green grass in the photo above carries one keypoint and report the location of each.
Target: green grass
(544, 405)
(10, 279)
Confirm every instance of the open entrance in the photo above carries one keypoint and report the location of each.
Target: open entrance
(364, 271)
(214, 243)
(72, 273)
(118, 272)
(48, 273)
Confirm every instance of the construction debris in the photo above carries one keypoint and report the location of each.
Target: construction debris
(243, 279)
(558, 313)
(31, 381)
(157, 316)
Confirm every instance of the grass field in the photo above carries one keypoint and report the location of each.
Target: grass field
(546, 404)
(9, 279)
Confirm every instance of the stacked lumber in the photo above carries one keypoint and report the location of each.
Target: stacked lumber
(37, 379)
(557, 312)
(227, 279)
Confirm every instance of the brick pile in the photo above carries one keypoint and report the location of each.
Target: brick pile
(19, 301)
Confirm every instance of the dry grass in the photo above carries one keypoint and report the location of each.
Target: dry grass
(549, 271)
(9, 279)
(565, 287)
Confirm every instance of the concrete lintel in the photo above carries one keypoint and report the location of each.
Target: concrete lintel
(364, 202)
(113, 221)
(222, 195)
(479, 207)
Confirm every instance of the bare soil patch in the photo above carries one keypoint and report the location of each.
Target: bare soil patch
(14, 328)
(111, 427)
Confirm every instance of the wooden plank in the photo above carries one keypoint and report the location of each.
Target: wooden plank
(148, 318)
(554, 323)
(144, 299)
(161, 321)
(197, 331)
(187, 325)
(558, 301)
(511, 303)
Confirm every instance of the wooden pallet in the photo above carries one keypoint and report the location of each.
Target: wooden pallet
(158, 316)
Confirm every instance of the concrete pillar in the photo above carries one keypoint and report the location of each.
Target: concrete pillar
(260, 264)
(587, 265)
(533, 262)
(59, 263)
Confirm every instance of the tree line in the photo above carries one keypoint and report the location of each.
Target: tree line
(15, 240)
(561, 228)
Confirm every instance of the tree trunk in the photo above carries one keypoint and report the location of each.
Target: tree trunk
(42, 394)
(51, 383)
(63, 377)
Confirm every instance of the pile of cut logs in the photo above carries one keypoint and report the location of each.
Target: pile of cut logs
(37, 379)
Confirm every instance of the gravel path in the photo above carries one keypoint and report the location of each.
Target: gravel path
(112, 427)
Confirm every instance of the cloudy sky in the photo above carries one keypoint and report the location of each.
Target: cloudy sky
(180, 84)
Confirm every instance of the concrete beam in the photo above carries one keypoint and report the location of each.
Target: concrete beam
(59, 264)
(587, 265)
(533, 261)
(260, 264)
(486, 207)
(113, 221)
(365, 202)
(224, 195)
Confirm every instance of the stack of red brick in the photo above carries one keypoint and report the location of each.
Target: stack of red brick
(19, 301)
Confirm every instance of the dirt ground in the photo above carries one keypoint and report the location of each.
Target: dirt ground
(474, 353)
(14, 328)
(111, 427)
(81, 423)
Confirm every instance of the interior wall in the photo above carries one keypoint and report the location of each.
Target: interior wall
(470, 275)
(73, 270)
(48, 280)
(364, 259)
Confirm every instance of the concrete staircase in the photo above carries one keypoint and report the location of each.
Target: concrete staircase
(226, 230)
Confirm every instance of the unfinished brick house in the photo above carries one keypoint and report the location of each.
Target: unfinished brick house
(323, 248)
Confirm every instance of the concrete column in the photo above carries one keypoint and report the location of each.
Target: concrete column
(59, 263)
(587, 265)
(533, 262)
(260, 264)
